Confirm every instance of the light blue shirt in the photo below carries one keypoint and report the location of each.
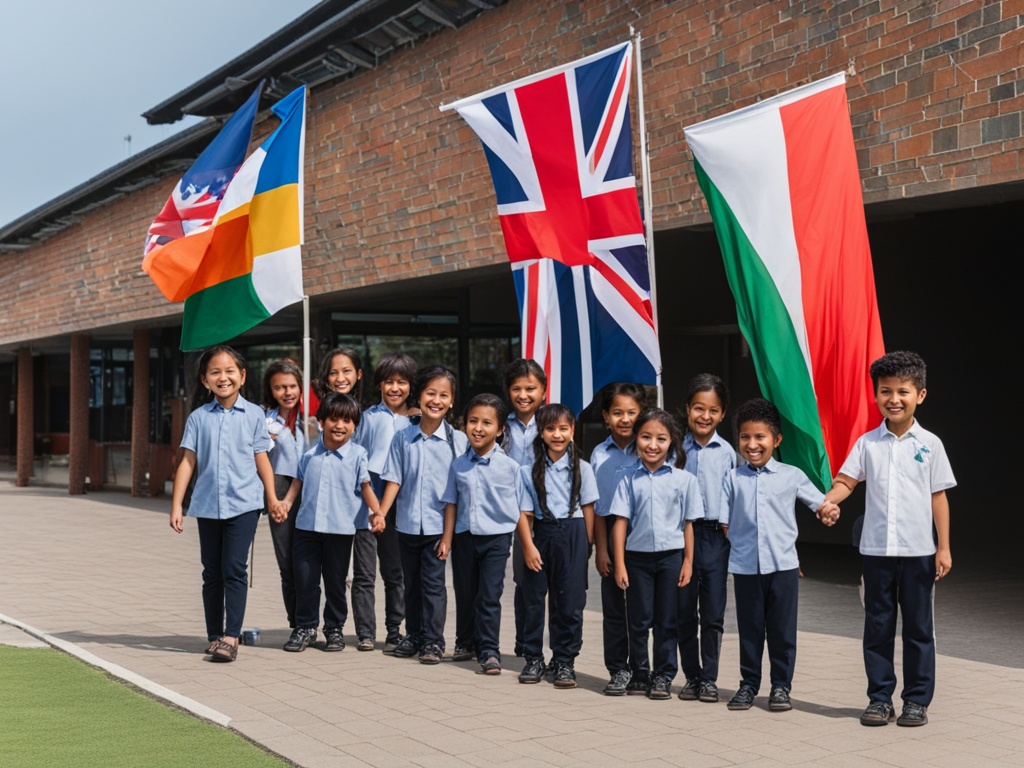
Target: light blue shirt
(658, 505)
(225, 443)
(419, 463)
(487, 492)
(332, 489)
(288, 448)
(710, 464)
(901, 474)
(376, 429)
(760, 510)
(519, 441)
(610, 464)
(558, 484)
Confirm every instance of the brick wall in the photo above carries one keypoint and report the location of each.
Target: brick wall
(396, 189)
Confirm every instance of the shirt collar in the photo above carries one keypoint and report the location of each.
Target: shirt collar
(484, 460)
(562, 465)
(690, 443)
(883, 430)
(642, 468)
(341, 452)
(240, 403)
(771, 467)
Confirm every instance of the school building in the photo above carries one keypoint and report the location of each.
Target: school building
(404, 250)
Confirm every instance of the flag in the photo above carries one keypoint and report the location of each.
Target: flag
(194, 201)
(247, 265)
(560, 150)
(782, 185)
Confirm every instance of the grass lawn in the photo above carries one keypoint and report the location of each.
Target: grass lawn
(56, 710)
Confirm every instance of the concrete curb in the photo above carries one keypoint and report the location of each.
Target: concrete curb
(150, 687)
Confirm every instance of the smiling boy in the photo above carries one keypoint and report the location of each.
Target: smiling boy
(759, 502)
(905, 541)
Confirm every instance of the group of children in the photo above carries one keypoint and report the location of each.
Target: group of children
(671, 516)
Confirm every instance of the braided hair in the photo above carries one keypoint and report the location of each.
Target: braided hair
(549, 414)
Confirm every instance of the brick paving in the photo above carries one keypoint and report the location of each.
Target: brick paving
(105, 572)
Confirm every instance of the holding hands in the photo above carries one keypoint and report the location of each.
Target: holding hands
(828, 512)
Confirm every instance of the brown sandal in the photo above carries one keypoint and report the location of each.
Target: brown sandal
(223, 652)
(212, 646)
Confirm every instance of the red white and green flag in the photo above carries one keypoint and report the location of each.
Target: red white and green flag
(782, 185)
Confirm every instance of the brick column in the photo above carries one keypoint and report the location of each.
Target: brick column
(26, 426)
(78, 460)
(140, 413)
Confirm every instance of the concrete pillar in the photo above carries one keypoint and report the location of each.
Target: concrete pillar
(26, 422)
(78, 458)
(140, 413)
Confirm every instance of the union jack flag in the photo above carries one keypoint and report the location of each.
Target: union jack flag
(195, 199)
(560, 149)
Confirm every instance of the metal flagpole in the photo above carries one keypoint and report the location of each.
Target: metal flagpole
(307, 346)
(645, 164)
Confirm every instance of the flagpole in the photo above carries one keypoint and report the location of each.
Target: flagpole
(645, 164)
(307, 346)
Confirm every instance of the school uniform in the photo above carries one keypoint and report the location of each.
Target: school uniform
(560, 535)
(898, 553)
(227, 501)
(419, 463)
(488, 494)
(657, 505)
(284, 460)
(332, 503)
(377, 427)
(706, 603)
(758, 505)
(518, 444)
(610, 463)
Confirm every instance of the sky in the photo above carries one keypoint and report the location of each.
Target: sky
(75, 78)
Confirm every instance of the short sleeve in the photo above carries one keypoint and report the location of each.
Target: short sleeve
(303, 463)
(393, 466)
(693, 502)
(808, 492)
(854, 464)
(941, 472)
(190, 438)
(727, 495)
(450, 495)
(622, 502)
(261, 442)
(362, 470)
(524, 489)
(588, 484)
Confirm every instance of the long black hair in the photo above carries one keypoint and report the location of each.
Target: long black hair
(201, 395)
(676, 454)
(552, 413)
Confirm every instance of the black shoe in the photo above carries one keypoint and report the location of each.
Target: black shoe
(333, 640)
(744, 698)
(913, 715)
(392, 642)
(638, 684)
(778, 700)
(550, 671)
(300, 639)
(690, 691)
(878, 713)
(565, 676)
(432, 653)
(618, 683)
(661, 688)
(462, 654)
(708, 692)
(406, 648)
(532, 672)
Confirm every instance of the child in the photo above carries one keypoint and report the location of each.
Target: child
(482, 508)
(758, 513)
(226, 440)
(282, 394)
(526, 385)
(709, 458)
(341, 371)
(621, 404)
(652, 538)
(901, 561)
(337, 485)
(416, 475)
(393, 378)
(559, 503)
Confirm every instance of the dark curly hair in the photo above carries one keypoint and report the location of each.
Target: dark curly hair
(760, 410)
(906, 366)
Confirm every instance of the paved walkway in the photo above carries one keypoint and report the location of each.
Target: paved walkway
(105, 572)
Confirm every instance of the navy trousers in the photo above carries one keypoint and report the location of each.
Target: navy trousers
(766, 608)
(711, 574)
(904, 585)
(367, 550)
(478, 575)
(564, 550)
(281, 536)
(224, 552)
(613, 608)
(686, 616)
(652, 604)
(426, 598)
(315, 555)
